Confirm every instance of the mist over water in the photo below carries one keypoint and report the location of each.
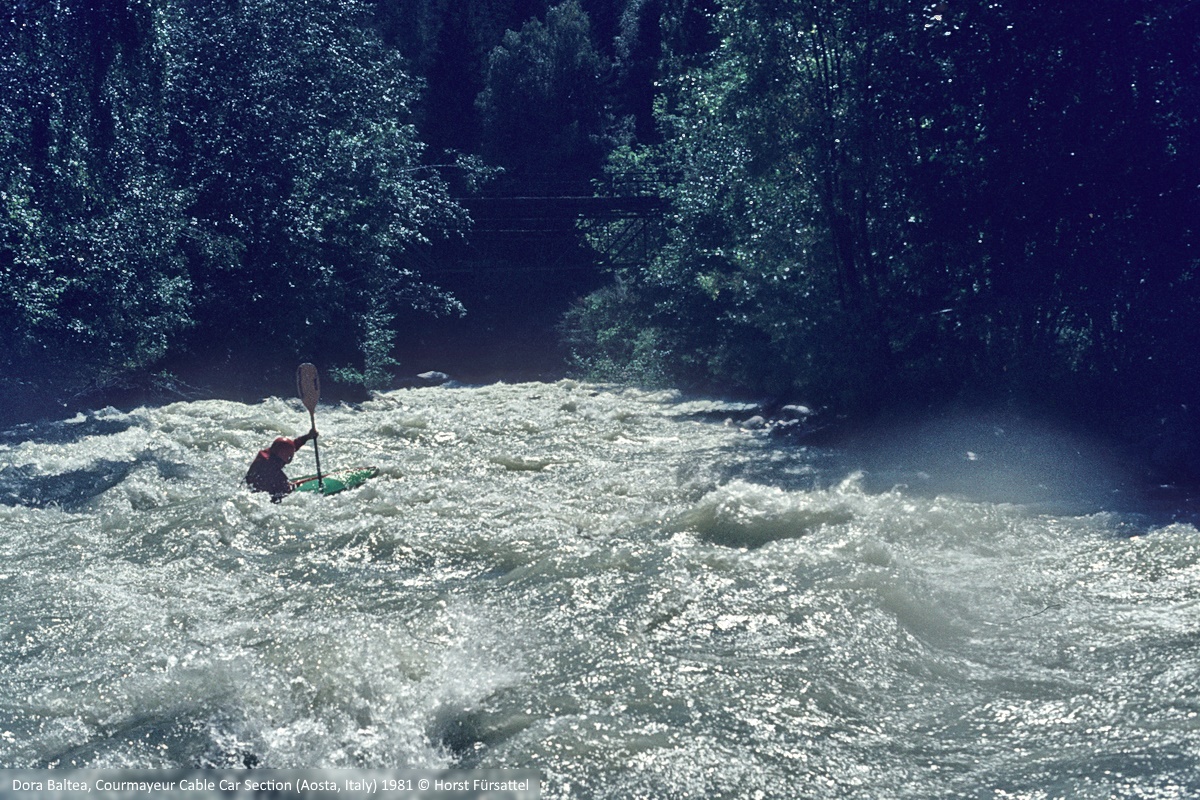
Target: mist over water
(610, 586)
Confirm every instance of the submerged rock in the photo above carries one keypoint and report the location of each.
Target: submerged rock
(423, 380)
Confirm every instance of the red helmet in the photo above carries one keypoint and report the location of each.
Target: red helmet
(283, 449)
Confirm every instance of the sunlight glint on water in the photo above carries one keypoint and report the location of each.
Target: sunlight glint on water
(610, 586)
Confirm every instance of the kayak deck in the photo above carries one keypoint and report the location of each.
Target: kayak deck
(335, 481)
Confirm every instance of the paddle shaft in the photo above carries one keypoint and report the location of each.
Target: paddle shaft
(312, 417)
(308, 384)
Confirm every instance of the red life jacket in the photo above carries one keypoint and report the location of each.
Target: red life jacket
(266, 475)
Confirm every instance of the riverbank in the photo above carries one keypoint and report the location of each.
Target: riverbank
(1156, 451)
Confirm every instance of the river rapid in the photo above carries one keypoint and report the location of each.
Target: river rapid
(614, 587)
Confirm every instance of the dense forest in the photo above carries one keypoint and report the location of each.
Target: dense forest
(862, 203)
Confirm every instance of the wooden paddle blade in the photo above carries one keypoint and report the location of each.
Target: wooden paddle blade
(308, 384)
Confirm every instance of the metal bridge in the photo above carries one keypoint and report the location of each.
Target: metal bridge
(534, 248)
(538, 224)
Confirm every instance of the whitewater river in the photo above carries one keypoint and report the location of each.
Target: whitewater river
(613, 587)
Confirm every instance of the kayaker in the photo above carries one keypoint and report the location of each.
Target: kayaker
(266, 471)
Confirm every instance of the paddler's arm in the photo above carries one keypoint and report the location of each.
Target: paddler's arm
(300, 440)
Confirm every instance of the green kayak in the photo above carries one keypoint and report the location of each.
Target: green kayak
(336, 481)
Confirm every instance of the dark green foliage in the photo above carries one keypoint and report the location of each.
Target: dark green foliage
(883, 200)
(198, 180)
(868, 201)
(622, 343)
(377, 339)
(543, 107)
(92, 278)
(306, 168)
